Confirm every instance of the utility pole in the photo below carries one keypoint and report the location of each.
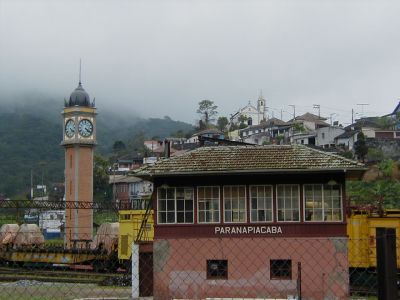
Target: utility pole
(317, 106)
(114, 187)
(31, 184)
(282, 114)
(294, 111)
(352, 116)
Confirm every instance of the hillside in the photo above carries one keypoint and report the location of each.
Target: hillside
(31, 132)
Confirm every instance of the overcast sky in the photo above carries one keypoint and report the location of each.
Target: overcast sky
(160, 58)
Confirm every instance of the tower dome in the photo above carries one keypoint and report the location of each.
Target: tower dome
(79, 97)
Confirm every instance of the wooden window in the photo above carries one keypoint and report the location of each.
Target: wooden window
(217, 269)
(175, 205)
(235, 204)
(261, 203)
(281, 269)
(332, 203)
(288, 202)
(208, 204)
(313, 202)
(322, 202)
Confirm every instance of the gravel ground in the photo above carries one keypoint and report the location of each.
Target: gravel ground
(36, 290)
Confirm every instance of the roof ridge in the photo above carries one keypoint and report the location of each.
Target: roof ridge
(334, 155)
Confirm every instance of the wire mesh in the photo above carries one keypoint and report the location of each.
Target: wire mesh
(192, 268)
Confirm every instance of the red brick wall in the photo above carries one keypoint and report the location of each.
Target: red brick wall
(84, 171)
(180, 268)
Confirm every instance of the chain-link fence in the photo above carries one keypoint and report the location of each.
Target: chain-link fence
(194, 268)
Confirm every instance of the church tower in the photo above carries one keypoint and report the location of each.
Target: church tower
(79, 140)
(261, 108)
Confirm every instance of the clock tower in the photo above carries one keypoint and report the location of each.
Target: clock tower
(79, 140)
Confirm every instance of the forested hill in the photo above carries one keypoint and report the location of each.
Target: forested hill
(31, 132)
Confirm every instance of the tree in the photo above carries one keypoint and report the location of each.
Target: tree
(386, 167)
(386, 122)
(360, 147)
(242, 121)
(299, 127)
(118, 147)
(207, 110)
(101, 187)
(222, 122)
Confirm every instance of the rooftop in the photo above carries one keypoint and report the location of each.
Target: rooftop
(249, 159)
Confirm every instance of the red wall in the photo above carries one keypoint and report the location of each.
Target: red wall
(180, 268)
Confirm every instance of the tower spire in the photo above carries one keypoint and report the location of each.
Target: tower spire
(80, 71)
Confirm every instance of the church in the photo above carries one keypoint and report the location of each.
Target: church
(252, 115)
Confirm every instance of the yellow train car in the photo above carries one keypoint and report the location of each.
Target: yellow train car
(136, 225)
(361, 229)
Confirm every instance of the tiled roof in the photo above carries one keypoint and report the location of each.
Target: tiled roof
(208, 131)
(347, 134)
(122, 179)
(250, 159)
(310, 117)
(275, 121)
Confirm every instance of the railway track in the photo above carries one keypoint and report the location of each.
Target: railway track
(60, 275)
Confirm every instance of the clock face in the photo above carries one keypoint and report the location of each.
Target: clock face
(85, 128)
(70, 128)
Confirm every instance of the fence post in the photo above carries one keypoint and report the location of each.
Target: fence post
(135, 271)
(299, 280)
(386, 263)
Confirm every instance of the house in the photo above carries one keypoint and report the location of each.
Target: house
(387, 134)
(270, 130)
(151, 145)
(325, 136)
(210, 132)
(251, 114)
(395, 116)
(304, 128)
(127, 189)
(249, 221)
(347, 139)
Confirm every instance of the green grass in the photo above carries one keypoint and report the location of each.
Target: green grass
(103, 217)
(46, 291)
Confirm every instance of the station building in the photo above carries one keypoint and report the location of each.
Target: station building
(250, 222)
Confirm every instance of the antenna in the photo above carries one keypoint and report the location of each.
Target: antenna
(80, 70)
(362, 108)
(294, 111)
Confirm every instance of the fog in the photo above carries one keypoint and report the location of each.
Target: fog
(157, 58)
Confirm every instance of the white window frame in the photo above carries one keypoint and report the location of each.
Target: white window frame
(323, 206)
(219, 204)
(175, 206)
(277, 206)
(272, 203)
(245, 203)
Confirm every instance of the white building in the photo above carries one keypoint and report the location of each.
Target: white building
(325, 136)
(304, 130)
(347, 139)
(271, 130)
(254, 115)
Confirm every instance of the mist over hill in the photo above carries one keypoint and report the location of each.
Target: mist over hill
(31, 132)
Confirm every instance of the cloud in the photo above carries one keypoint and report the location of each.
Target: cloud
(161, 58)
